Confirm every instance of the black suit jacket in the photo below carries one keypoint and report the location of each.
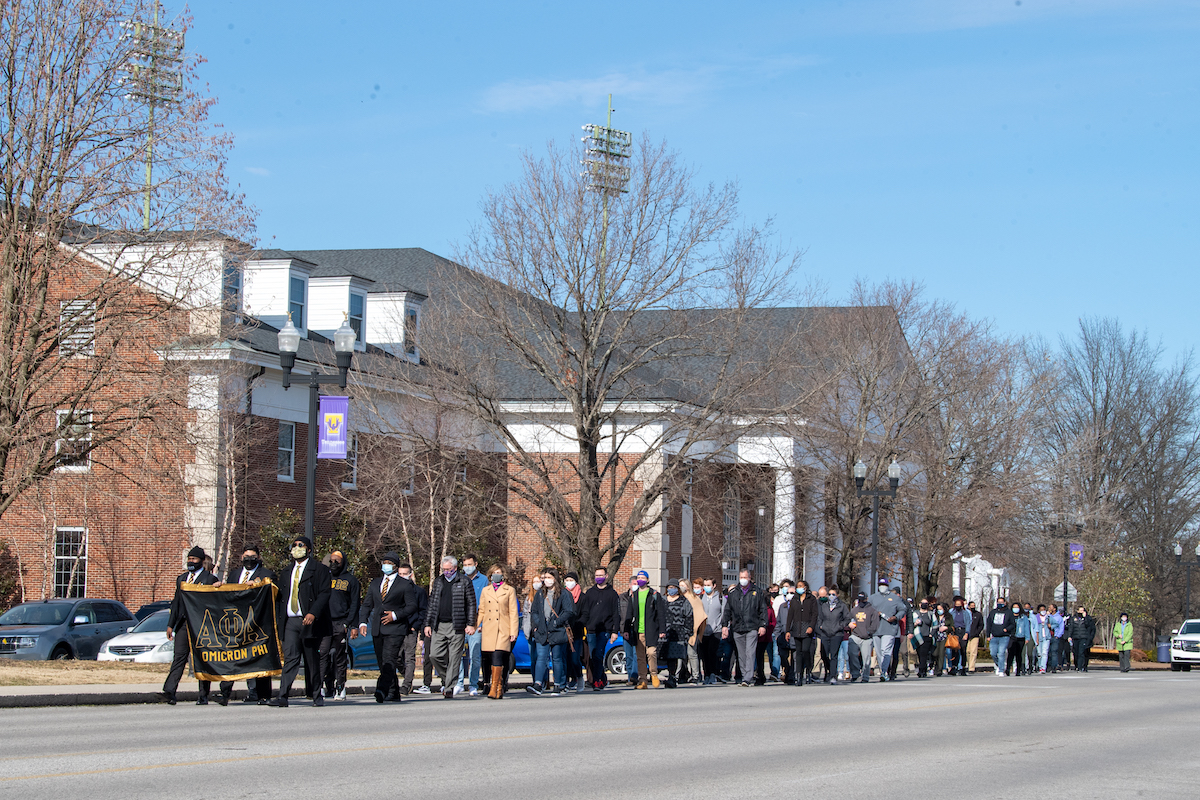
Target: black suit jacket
(402, 599)
(316, 584)
(261, 571)
(178, 616)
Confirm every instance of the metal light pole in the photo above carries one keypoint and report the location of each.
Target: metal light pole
(1075, 520)
(343, 345)
(1187, 603)
(860, 476)
(153, 76)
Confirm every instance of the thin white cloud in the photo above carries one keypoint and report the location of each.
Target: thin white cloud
(262, 171)
(669, 87)
(921, 16)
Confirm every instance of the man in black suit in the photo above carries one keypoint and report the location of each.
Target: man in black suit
(304, 592)
(258, 690)
(387, 611)
(196, 574)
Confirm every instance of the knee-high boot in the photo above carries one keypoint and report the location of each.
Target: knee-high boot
(497, 689)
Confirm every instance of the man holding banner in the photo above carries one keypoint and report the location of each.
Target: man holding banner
(250, 570)
(196, 575)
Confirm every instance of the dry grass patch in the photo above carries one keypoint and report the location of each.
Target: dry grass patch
(78, 673)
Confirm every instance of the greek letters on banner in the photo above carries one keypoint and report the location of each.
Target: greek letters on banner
(232, 630)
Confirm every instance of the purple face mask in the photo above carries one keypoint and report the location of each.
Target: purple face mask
(600, 581)
(642, 582)
(449, 573)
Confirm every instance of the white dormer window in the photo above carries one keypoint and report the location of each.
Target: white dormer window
(297, 289)
(358, 308)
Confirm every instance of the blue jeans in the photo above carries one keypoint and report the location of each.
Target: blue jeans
(999, 650)
(597, 645)
(842, 656)
(630, 661)
(470, 665)
(1043, 653)
(545, 654)
(884, 644)
(775, 660)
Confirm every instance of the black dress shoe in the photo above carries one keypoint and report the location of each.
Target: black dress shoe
(380, 696)
(250, 698)
(263, 701)
(201, 701)
(278, 702)
(169, 697)
(222, 699)
(318, 700)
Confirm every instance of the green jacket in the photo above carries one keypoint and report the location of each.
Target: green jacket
(1123, 635)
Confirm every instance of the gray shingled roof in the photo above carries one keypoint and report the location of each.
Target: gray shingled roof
(403, 269)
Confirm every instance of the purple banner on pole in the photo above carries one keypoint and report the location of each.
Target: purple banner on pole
(1076, 560)
(331, 441)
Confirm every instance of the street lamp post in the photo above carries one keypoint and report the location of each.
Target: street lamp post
(1076, 521)
(1187, 602)
(860, 476)
(343, 345)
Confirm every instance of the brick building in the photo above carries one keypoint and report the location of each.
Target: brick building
(233, 449)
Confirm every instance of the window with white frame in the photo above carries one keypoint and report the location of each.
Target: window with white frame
(77, 328)
(411, 323)
(351, 481)
(731, 553)
(232, 288)
(73, 446)
(296, 296)
(70, 562)
(358, 304)
(287, 451)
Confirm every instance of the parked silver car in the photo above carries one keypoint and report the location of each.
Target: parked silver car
(56, 629)
(145, 644)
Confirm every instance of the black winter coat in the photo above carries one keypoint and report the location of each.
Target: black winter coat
(1001, 622)
(803, 617)
(599, 610)
(550, 628)
(745, 611)
(1082, 629)
(680, 627)
(177, 616)
(464, 608)
(656, 618)
(315, 587)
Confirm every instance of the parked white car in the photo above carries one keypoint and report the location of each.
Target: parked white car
(146, 643)
(1185, 646)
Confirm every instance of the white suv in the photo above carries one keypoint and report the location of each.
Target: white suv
(1185, 646)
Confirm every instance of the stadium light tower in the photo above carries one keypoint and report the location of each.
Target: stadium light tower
(154, 76)
(607, 151)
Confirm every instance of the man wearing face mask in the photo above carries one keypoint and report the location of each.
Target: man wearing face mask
(710, 645)
(802, 630)
(258, 690)
(864, 621)
(304, 591)
(631, 664)
(343, 609)
(196, 574)
(599, 611)
(1001, 626)
(472, 666)
(413, 636)
(389, 605)
(891, 610)
(646, 627)
(833, 617)
(746, 619)
(449, 620)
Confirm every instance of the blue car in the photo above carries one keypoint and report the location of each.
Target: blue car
(60, 629)
(362, 655)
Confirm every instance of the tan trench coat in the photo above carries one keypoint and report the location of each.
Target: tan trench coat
(698, 617)
(497, 617)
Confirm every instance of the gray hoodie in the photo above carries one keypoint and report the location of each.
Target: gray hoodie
(714, 608)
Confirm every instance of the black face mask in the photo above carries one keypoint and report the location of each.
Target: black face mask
(193, 566)
(823, 599)
(250, 563)
(336, 567)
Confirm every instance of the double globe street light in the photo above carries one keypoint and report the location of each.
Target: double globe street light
(860, 476)
(343, 346)
(1187, 603)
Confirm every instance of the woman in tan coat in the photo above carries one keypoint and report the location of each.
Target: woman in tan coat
(698, 620)
(498, 623)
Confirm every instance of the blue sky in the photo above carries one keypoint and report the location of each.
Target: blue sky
(1030, 162)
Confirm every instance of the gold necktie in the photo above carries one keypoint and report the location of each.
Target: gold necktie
(387, 582)
(295, 601)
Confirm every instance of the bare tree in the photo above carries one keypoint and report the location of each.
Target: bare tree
(606, 349)
(89, 293)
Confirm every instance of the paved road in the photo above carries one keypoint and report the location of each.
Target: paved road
(1102, 734)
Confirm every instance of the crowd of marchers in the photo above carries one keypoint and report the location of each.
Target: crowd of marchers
(463, 627)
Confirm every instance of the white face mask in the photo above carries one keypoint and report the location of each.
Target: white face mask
(744, 581)
(387, 569)
(570, 584)
(548, 582)
(536, 585)
(470, 570)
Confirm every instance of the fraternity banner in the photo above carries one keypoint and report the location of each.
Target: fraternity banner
(333, 414)
(1076, 560)
(232, 630)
